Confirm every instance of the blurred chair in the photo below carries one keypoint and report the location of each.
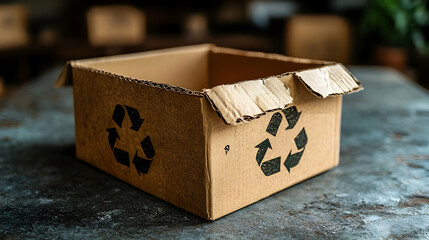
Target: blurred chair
(319, 37)
(118, 25)
(196, 26)
(13, 26)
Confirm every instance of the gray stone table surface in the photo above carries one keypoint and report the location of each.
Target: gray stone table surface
(379, 190)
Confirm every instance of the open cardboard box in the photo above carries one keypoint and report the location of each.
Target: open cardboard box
(190, 126)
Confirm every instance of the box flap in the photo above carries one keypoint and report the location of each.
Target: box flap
(246, 100)
(329, 80)
(243, 101)
(65, 78)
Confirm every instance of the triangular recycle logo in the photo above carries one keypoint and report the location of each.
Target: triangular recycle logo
(142, 165)
(272, 166)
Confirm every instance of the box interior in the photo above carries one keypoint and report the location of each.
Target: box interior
(199, 68)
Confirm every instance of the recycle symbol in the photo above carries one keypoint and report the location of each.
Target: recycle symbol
(142, 165)
(272, 166)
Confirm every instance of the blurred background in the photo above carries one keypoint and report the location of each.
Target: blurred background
(37, 35)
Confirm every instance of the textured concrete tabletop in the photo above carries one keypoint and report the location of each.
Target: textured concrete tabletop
(380, 189)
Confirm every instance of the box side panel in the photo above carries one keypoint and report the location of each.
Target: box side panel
(228, 68)
(254, 160)
(148, 137)
(187, 68)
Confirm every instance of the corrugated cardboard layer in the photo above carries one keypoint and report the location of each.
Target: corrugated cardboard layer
(246, 100)
(249, 98)
(183, 69)
(329, 80)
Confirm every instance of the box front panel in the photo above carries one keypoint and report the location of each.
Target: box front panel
(251, 161)
(145, 136)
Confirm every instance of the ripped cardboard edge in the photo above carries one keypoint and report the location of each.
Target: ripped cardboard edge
(330, 80)
(243, 101)
(240, 102)
(66, 79)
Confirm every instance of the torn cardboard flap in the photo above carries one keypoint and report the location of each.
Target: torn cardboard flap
(246, 100)
(329, 80)
(236, 102)
(234, 97)
(65, 77)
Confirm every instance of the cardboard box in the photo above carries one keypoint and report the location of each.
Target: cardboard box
(116, 25)
(13, 26)
(189, 126)
(319, 36)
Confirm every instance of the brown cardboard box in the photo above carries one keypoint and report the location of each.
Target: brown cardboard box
(116, 25)
(163, 122)
(13, 26)
(319, 36)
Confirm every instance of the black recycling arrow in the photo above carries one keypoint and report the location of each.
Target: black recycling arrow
(292, 116)
(113, 135)
(118, 115)
(134, 115)
(263, 147)
(147, 147)
(271, 166)
(121, 156)
(293, 159)
(301, 139)
(142, 165)
(274, 124)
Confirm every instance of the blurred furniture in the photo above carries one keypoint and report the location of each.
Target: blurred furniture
(13, 26)
(2, 88)
(116, 25)
(318, 37)
(395, 57)
(14, 40)
(380, 189)
(196, 26)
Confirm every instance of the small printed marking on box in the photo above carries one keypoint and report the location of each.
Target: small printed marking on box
(226, 149)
